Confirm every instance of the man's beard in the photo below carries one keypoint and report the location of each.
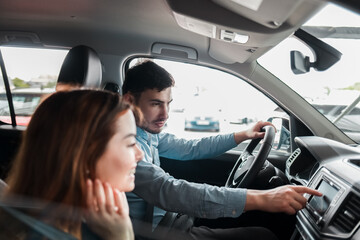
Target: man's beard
(146, 127)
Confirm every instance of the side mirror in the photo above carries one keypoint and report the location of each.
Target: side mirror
(282, 135)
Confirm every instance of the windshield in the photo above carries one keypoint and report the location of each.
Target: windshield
(334, 92)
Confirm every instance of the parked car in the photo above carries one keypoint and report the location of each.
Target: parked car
(25, 102)
(202, 123)
(255, 56)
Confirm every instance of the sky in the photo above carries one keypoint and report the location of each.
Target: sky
(28, 63)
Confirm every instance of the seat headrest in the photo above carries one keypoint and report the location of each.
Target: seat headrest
(112, 87)
(81, 66)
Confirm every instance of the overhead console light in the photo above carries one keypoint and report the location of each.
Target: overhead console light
(233, 37)
(251, 4)
(197, 26)
(209, 30)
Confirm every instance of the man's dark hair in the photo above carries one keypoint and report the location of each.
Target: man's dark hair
(146, 75)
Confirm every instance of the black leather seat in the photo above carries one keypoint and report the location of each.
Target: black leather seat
(3, 186)
(112, 87)
(10, 138)
(81, 66)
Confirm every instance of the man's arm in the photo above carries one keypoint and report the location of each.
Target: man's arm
(206, 201)
(177, 148)
(181, 149)
(288, 199)
(251, 133)
(200, 200)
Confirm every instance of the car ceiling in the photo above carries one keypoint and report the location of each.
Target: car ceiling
(128, 27)
(120, 29)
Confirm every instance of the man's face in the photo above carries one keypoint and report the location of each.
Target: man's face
(155, 108)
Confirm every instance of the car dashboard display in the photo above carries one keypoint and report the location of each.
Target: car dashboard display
(335, 172)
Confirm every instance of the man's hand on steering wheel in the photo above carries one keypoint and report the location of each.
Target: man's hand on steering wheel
(252, 133)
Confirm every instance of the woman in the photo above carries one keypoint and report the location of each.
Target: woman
(79, 150)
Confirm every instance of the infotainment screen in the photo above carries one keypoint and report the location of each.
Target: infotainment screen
(321, 204)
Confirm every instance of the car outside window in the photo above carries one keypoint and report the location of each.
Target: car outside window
(207, 101)
(32, 75)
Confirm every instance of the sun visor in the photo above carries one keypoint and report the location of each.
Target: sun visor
(269, 13)
(243, 28)
(224, 52)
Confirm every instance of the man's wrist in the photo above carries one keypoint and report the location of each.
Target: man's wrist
(240, 137)
(254, 200)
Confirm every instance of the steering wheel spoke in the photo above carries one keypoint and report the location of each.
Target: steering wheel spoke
(244, 167)
(248, 166)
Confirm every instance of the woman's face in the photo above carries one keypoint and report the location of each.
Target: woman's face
(117, 165)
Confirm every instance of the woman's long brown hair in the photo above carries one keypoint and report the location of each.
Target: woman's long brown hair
(61, 146)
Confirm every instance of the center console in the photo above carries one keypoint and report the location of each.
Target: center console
(335, 215)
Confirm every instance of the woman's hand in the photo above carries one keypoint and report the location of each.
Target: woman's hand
(108, 212)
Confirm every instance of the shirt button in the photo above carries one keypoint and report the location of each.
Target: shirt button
(233, 212)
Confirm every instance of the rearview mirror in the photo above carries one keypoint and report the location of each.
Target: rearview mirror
(299, 63)
(325, 55)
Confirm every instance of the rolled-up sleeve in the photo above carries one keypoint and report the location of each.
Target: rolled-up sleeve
(175, 195)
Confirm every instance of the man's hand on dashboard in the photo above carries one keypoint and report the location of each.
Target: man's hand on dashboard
(288, 199)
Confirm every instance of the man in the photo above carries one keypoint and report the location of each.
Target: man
(148, 86)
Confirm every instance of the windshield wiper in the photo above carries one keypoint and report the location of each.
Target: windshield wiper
(347, 109)
(333, 32)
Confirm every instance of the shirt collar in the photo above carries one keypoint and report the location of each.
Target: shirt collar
(142, 133)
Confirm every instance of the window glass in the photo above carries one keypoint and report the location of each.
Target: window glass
(334, 92)
(207, 101)
(32, 75)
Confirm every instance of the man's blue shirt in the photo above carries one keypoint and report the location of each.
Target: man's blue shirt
(156, 187)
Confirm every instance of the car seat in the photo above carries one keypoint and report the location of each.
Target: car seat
(3, 186)
(112, 87)
(81, 66)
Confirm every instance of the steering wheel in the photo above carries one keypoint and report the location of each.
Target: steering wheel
(248, 166)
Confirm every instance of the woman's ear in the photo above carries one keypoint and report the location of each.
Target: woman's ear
(129, 98)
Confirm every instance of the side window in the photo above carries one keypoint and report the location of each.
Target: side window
(207, 102)
(32, 75)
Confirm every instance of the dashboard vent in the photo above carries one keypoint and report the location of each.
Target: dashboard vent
(348, 215)
(293, 156)
(356, 162)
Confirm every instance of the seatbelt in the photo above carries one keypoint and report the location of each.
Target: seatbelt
(40, 227)
(149, 215)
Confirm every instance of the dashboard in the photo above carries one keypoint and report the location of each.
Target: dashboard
(332, 168)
